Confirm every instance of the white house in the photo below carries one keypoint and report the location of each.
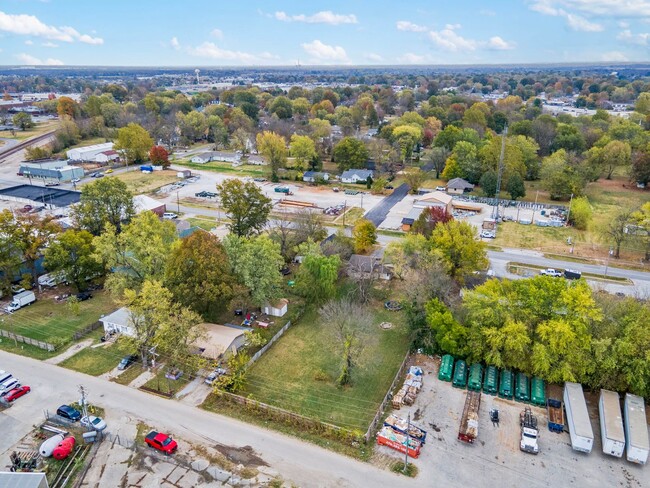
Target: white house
(88, 153)
(209, 156)
(142, 203)
(277, 309)
(312, 176)
(256, 160)
(106, 156)
(118, 322)
(220, 340)
(356, 175)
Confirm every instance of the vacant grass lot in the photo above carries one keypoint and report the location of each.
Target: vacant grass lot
(166, 386)
(37, 130)
(223, 167)
(299, 372)
(51, 321)
(98, 360)
(139, 182)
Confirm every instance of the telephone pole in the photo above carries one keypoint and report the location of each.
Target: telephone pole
(408, 441)
(84, 405)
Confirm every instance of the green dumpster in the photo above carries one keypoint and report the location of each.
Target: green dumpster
(460, 374)
(446, 368)
(491, 378)
(538, 392)
(505, 384)
(522, 388)
(475, 377)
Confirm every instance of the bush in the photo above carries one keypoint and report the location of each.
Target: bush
(581, 213)
(398, 467)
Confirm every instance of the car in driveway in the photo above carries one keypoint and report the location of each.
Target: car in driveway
(212, 377)
(17, 393)
(93, 422)
(68, 413)
(127, 361)
(170, 216)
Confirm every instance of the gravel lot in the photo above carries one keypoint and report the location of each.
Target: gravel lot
(495, 459)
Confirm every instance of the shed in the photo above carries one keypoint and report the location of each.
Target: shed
(446, 368)
(475, 377)
(219, 340)
(459, 186)
(186, 173)
(411, 217)
(538, 392)
(505, 384)
(522, 388)
(460, 374)
(490, 380)
(277, 309)
(23, 480)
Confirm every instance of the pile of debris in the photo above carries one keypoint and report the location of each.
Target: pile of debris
(409, 390)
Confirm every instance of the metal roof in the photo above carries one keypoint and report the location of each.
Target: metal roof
(612, 418)
(574, 396)
(637, 424)
(43, 194)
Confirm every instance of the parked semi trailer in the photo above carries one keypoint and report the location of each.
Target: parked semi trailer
(611, 423)
(577, 418)
(469, 421)
(555, 414)
(636, 429)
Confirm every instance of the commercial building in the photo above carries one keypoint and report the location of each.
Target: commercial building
(51, 171)
(48, 197)
(89, 153)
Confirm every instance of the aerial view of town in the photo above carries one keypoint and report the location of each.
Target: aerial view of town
(325, 244)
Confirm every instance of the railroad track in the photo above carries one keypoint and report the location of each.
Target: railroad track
(25, 144)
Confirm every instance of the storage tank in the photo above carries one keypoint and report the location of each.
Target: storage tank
(577, 418)
(460, 374)
(611, 423)
(49, 445)
(636, 429)
(475, 377)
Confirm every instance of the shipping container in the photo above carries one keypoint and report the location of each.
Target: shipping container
(538, 392)
(636, 429)
(491, 379)
(446, 368)
(577, 418)
(522, 388)
(611, 423)
(475, 377)
(505, 384)
(460, 374)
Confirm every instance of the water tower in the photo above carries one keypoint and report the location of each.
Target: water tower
(197, 71)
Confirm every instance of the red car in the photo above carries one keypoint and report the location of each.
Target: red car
(17, 393)
(162, 442)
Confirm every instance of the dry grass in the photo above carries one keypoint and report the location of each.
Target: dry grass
(140, 183)
(37, 130)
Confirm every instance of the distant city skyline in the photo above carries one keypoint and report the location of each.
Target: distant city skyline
(281, 33)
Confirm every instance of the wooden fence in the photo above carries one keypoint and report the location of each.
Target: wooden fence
(27, 340)
(80, 333)
(382, 407)
(291, 418)
(259, 353)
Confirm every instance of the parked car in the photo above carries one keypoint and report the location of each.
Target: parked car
(161, 442)
(127, 361)
(170, 216)
(488, 234)
(259, 180)
(108, 171)
(69, 413)
(441, 188)
(52, 183)
(98, 175)
(17, 393)
(551, 272)
(83, 296)
(93, 422)
(9, 385)
(75, 180)
(15, 289)
(212, 377)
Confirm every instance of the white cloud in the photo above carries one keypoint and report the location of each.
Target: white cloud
(31, 60)
(411, 58)
(448, 40)
(175, 44)
(581, 24)
(623, 25)
(607, 8)
(496, 43)
(614, 56)
(217, 33)
(212, 51)
(29, 42)
(374, 57)
(29, 25)
(49, 44)
(640, 39)
(405, 25)
(325, 52)
(323, 17)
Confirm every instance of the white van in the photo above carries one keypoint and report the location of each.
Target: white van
(9, 385)
(5, 376)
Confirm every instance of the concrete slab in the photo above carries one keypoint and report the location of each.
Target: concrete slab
(200, 464)
(218, 474)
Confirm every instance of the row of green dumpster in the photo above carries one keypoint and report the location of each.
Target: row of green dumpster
(505, 384)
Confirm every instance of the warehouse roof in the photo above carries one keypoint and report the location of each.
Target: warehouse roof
(43, 194)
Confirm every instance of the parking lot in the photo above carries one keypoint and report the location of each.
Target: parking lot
(495, 459)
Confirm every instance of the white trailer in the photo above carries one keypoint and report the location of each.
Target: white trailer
(611, 423)
(636, 429)
(577, 417)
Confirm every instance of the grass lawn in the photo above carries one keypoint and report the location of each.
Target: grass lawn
(51, 321)
(205, 223)
(164, 385)
(351, 216)
(98, 360)
(223, 167)
(139, 182)
(129, 374)
(300, 371)
(37, 130)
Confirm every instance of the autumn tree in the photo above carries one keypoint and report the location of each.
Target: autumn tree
(429, 219)
(133, 142)
(199, 275)
(459, 247)
(67, 107)
(303, 150)
(350, 153)
(23, 120)
(102, 202)
(159, 156)
(274, 148)
(72, 255)
(364, 234)
(414, 178)
(246, 205)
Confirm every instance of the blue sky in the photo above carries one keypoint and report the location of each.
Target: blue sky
(358, 32)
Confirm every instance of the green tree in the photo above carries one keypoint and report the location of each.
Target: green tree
(350, 153)
(616, 154)
(560, 178)
(256, 262)
(236, 378)
(316, 278)
(452, 169)
(72, 254)
(449, 335)
(438, 158)
(303, 150)
(581, 213)
(23, 120)
(643, 103)
(615, 231)
(246, 205)
(102, 202)
(134, 142)
(193, 125)
(459, 247)
(414, 177)
(466, 155)
(407, 136)
(199, 275)
(364, 234)
(282, 107)
(516, 187)
(488, 183)
(274, 148)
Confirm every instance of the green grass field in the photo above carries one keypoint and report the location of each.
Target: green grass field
(140, 183)
(205, 223)
(129, 374)
(299, 372)
(98, 360)
(223, 167)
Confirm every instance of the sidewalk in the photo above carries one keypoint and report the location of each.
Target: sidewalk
(71, 351)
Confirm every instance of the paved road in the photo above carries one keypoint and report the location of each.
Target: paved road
(305, 464)
(378, 213)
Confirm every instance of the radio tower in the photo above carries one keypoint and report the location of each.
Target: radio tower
(500, 170)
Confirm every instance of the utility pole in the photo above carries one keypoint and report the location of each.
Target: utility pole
(408, 441)
(178, 203)
(500, 170)
(569, 212)
(84, 405)
(534, 208)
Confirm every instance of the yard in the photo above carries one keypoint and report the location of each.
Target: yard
(223, 167)
(300, 371)
(54, 322)
(205, 223)
(139, 182)
(98, 360)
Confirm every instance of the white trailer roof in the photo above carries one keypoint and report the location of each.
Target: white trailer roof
(613, 420)
(576, 399)
(637, 425)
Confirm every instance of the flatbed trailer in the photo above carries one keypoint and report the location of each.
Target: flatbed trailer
(555, 412)
(469, 421)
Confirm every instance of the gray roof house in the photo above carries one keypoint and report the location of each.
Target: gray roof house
(209, 156)
(366, 266)
(312, 176)
(355, 175)
(118, 322)
(459, 185)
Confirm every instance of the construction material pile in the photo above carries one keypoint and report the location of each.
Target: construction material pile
(401, 425)
(409, 390)
(388, 436)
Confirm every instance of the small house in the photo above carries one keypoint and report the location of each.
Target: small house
(256, 160)
(277, 309)
(368, 266)
(107, 156)
(435, 199)
(142, 203)
(118, 322)
(220, 340)
(459, 186)
(356, 175)
(210, 156)
(314, 176)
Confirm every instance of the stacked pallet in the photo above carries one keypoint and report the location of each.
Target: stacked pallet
(409, 390)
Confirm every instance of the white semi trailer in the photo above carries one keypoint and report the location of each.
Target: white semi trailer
(636, 429)
(577, 417)
(611, 423)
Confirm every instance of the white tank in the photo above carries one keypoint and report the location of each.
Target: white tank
(50, 444)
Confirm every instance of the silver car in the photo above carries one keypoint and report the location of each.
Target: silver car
(93, 422)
